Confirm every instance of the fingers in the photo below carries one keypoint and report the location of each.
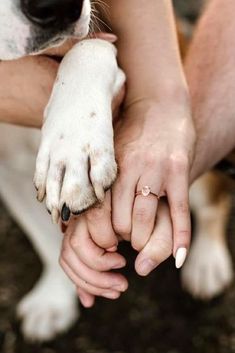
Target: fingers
(144, 212)
(88, 252)
(90, 281)
(178, 198)
(86, 299)
(100, 225)
(106, 293)
(123, 194)
(84, 275)
(160, 245)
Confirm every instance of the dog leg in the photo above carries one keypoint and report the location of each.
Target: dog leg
(208, 269)
(76, 161)
(51, 306)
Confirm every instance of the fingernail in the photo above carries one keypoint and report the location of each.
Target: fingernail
(119, 265)
(146, 266)
(120, 287)
(180, 257)
(65, 213)
(111, 295)
(113, 249)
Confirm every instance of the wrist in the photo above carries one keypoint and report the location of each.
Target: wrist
(169, 93)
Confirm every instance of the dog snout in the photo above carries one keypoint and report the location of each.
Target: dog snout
(52, 13)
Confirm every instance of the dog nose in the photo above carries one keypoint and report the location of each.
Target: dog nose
(60, 13)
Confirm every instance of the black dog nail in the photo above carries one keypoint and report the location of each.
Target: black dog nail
(65, 214)
(49, 211)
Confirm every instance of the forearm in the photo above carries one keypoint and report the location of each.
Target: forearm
(211, 77)
(25, 89)
(148, 49)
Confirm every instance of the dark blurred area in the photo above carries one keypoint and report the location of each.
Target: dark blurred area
(154, 316)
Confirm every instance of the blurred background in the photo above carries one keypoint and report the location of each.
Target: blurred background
(154, 316)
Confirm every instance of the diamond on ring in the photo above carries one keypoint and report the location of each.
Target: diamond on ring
(146, 191)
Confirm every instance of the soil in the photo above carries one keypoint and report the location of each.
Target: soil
(154, 316)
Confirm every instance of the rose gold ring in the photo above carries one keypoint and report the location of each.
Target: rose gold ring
(146, 191)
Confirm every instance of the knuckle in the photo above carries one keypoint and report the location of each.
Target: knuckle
(151, 160)
(141, 215)
(184, 236)
(181, 207)
(179, 162)
(95, 214)
(163, 247)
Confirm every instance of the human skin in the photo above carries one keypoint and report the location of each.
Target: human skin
(211, 76)
(25, 88)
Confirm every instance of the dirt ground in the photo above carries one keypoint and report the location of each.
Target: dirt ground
(154, 316)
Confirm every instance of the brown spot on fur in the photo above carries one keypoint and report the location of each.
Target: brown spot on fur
(93, 115)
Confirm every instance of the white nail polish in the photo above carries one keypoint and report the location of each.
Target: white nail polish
(180, 257)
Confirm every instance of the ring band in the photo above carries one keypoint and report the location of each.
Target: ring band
(146, 191)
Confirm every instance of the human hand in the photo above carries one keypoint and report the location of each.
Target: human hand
(155, 148)
(86, 264)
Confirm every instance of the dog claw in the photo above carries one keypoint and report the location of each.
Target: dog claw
(55, 215)
(41, 194)
(100, 193)
(65, 213)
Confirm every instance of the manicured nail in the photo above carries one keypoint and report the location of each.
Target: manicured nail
(180, 257)
(146, 266)
(65, 213)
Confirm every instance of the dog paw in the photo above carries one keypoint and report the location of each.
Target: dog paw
(48, 310)
(72, 173)
(208, 269)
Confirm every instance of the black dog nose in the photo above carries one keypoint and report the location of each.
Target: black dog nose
(49, 13)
